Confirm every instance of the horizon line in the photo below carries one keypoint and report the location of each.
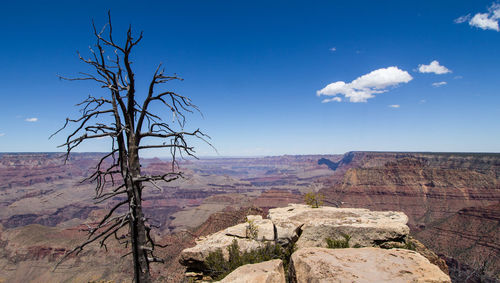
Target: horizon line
(256, 156)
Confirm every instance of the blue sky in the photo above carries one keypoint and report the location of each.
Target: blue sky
(255, 69)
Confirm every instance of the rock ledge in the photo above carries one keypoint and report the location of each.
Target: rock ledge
(306, 229)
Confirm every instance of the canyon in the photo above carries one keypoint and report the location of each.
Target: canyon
(452, 201)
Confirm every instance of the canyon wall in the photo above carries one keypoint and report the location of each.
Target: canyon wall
(450, 199)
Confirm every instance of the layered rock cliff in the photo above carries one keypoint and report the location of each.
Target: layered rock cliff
(434, 190)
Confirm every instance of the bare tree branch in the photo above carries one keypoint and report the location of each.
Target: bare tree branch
(117, 173)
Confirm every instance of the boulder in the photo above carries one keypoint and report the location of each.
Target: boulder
(263, 228)
(363, 265)
(263, 272)
(366, 228)
(195, 256)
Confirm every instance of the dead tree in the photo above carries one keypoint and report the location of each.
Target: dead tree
(129, 125)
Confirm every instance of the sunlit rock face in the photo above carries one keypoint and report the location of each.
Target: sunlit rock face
(268, 272)
(366, 228)
(304, 226)
(363, 265)
(306, 230)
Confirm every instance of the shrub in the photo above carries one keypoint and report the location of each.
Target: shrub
(217, 267)
(252, 230)
(409, 245)
(215, 264)
(338, 244)
(314, 199)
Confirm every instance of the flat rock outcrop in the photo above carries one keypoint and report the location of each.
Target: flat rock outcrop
(241, 233)
(366, 228)
(363, 265)
(264, 272)
(305, 227)
(195, 256)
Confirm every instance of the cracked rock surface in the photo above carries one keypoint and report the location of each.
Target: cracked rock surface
(266, 272)
(304, 226)
(366, 228)
(363, 265)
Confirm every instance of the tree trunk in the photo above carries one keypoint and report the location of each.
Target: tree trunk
(137, 225)
(116, 75)
(138, 239)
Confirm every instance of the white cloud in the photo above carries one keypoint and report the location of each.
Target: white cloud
(336, 98)
(458, 77)
(462, 19)
(422, 101)
(2, 134)
(394, 105)
(483, 21)
(495, 11)
(333, 49)
(433, 67)
(438, 84)
(364, 87)
(31, 119)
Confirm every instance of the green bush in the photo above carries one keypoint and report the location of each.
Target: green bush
(314, 199)
(338, 244)
(409, 245)
(217, 267)
(252, 230)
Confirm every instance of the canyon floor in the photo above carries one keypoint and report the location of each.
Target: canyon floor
(452, 200)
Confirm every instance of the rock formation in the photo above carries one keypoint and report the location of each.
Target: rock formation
(308, 230)
(264, 272)
(277, 198)
(195, 256)
(452, 202)
(363, 265)
(471, 239)
(452, 199)
(366, 228)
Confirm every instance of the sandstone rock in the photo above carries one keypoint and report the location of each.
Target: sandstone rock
(239, 230)
(254, 217)
(365, 227)
(263, 272)
(221, 240)
(309, 228)
(223, 219)
(263, 227)
(363, 265)
(428, 254)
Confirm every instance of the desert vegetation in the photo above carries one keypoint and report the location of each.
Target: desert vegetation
(314, 199)
(338, 243)
(218, 267)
